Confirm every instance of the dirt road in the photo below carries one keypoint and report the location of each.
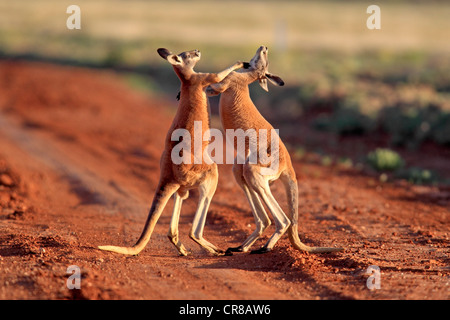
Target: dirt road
(79, 155)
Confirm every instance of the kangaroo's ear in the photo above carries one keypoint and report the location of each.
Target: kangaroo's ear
(164, 53)
(172, 58)
(276, 80)
(263, 84)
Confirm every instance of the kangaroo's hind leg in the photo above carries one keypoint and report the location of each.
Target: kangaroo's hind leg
(262, 220)
(259, 183)
(173, 230)
(207, 189)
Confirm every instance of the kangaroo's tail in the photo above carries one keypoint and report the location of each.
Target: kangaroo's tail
(290, 183)
(162, 195)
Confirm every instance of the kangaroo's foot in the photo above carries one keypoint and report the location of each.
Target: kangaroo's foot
(230, 251)
(260, 250)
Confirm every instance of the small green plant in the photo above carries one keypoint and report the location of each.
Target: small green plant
(344, 121)
(326, 161)
(385, 160)
(345, 163)
(350, 121)
(418, 175)
(441, 131)
(299, 153)
(114, 57)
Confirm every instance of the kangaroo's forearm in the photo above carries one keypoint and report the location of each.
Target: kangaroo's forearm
(213, 90)
(217, 77)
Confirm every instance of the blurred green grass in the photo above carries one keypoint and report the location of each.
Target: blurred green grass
(301, 34)
(323, 44)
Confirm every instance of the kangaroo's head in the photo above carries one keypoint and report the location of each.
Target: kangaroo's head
(183, 62)
(260, 64)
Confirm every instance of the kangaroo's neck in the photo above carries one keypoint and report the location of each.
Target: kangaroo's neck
(237, 109)
(193, 106)
(238, 94)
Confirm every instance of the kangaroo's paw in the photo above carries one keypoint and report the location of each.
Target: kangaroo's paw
(260, 250)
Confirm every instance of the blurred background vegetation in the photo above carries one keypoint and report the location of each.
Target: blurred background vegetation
(349, 90)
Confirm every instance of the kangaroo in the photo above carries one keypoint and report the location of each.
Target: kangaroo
(237, 111)
(178, 179)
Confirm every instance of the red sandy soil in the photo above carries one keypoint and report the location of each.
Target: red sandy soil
(79, 161)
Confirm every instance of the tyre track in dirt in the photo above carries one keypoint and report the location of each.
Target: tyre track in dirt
(85, 183)
(88, 149)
